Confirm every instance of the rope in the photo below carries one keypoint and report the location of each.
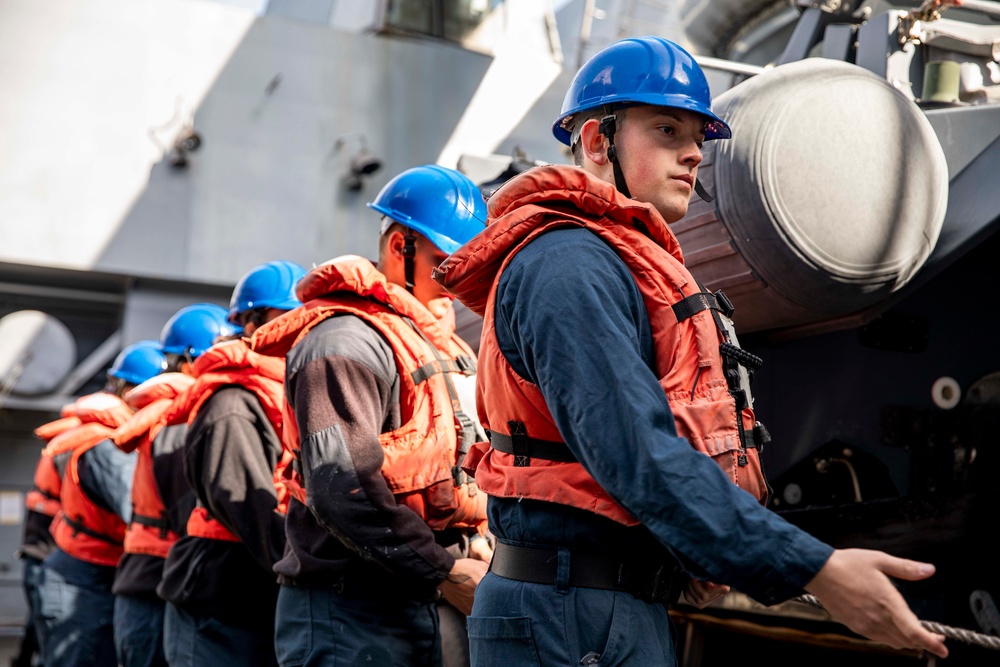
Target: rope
(960, 634)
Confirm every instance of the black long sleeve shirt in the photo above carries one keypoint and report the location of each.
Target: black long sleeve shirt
(343, 384)
(230, 454)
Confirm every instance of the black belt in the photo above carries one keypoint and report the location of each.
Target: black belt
(660, 583)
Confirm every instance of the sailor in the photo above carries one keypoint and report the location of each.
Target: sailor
(41, 506)
(380, 399)
(160, 497)
(76, 603)
(623, 464)
(218, 579)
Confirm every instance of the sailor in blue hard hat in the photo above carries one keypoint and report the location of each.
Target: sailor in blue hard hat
(192, 330)
(385, 534)
(263, 293)
(656, 77)
(135, 364)
(76, 603)
(441, 205)
(623, 465)
(217, 579)
(160, 497)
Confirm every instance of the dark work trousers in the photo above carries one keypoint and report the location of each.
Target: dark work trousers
(194, 640)
(76, 611)
(319, 627)
(30, 648)
(517, 623)
(139, 631)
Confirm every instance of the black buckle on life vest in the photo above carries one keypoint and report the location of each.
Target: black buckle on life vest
(519, 444)
(466, 365)
(740, 397)
(761, 437)
(725, 305)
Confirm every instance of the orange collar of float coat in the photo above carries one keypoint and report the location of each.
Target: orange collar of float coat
(100, 412)
(334, 288)
(528, 201)
(53, 428)
(44, 497)
(687, 360)
(151, 400)
(357, 276)
(232, 363)
(67, 420)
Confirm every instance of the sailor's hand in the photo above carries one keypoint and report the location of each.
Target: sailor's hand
(700, 593)
(480, 549)
(459, 587)
(855, 588)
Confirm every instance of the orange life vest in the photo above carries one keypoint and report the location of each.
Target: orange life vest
(686, 330)
(148, 532)
(44, 494)
(422, 454)
(83, 529)
(225, 364)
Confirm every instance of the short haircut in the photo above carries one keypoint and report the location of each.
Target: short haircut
(383, 239)
(576, 126)
(117, 386)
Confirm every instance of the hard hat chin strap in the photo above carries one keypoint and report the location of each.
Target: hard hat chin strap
(409, 252)
(702, 192)
(608, 128)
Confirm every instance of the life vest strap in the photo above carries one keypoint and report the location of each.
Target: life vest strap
(524, 448)
(466, 427)
(50, 496)
(160, 522)
(463, 364)
(701, 301)
(78, 528)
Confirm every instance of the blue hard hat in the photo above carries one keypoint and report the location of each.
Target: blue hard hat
(270, 285)
(442, 204)
(641, 70)
(193, 329)
(138, 362)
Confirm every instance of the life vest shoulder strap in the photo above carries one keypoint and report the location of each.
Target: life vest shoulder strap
(462, 364)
